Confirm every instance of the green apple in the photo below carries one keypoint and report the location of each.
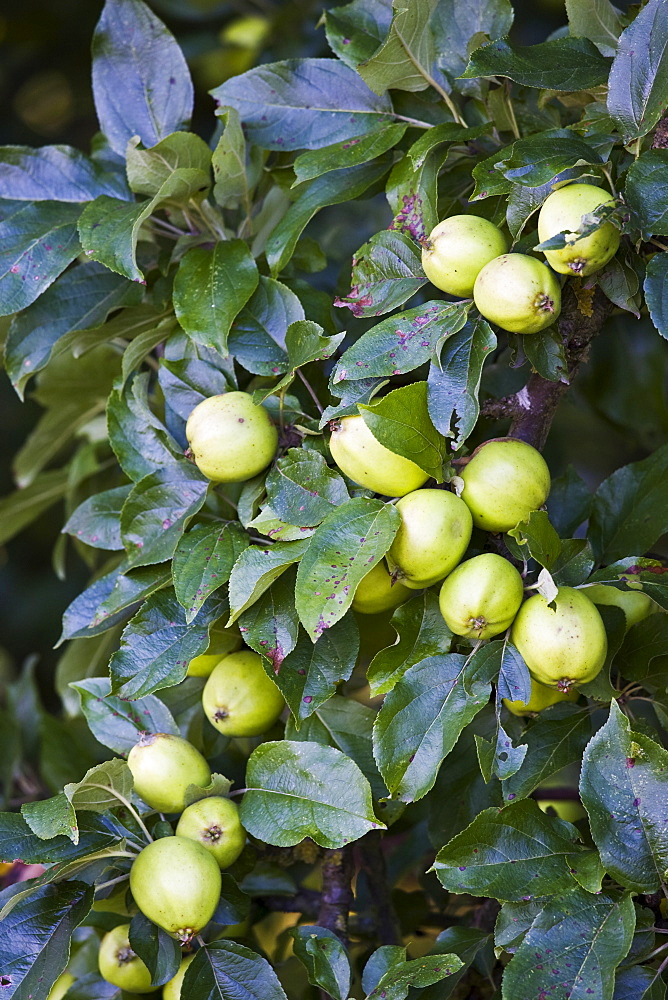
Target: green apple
(518, 293)
(231, 439)
(366, 461)
(562, 211)
(567, 809)
(61, 986)
(239, 698)
(457, 249)
(563, 646)
(433, 536)
(172, 989)
(214, 823)
(481, 597)
(504, 480)
(377, 592)
(223, 642)
(119, 965)
(634, 603)
(163, 766)
(176, 883)
(541, 697)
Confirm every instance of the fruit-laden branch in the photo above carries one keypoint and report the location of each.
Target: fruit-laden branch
(532, 409)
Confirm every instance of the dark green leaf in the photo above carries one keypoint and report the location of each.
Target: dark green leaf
(157, 510)
(488, 181)
(639, 74)
(457, 28)
(118, 723)
(386, 271)
(346, 546)
(225, 970)
(256, 569)
(203, 561)
(596, 20)
(401, 422)
(555, 739)
(325, 959)
(574, 563)
(499, 758)
(539, 158)
(271, 626)
(349, 153)
(128, 589)
(159, 952)
(97, 520)
(421, 632)
(257, 335)
(640, 982)
(302, 490)
(135, 55)
(140, 441)
(656, 292)
(454, 382)
(355, 31)
(401, 976)
(560, 64)
(17, 840)
(537, 538)
(297, 790)
(404, 59)
(569, 502)
(55, 173)
(303, 103)
(623, 789)
(646, 193)
(546, 354)
(421, 719)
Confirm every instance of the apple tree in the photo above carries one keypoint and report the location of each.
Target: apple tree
(269, 465)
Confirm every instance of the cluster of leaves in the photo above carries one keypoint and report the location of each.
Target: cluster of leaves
(161, 270)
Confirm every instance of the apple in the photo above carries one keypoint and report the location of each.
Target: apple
(61, 986)
(376, 592)
(223, 641)
(481, 597)
(518, 293)
(214, 823)
(541, 697)
(119, 965)
(366, 461)
(433, 536)
(172, 989)
(457, 249)
(176, 883)
(567, 809)
(231, 439)
(563, 646)
(633, 603)
(504, 480)
(239, 699)
(562, 211)
(163, 766)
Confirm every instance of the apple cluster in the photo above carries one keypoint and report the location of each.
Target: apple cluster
(465, 256)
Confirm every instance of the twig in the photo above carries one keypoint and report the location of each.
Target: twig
(337, 895)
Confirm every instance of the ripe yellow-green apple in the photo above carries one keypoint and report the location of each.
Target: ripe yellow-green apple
(433, 536)
(457, 249)
(172, 989)
(504, 480)
(176, 883)
(163, 766)
(561, 212)
(565, 645)
(119, 965)
(567, 809)
(541, 697)
(214, 823)
(481, 596)
(116, 902)
(634, 603)
(239, 699)
(61, 986)
(366, 461)
(518, 293)
(231, 439)
(223, 642)
(376, 592)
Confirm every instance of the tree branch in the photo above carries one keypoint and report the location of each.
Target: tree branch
(373, 865)
(337, 895)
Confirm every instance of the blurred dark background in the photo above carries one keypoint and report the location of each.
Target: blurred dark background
(616, 414)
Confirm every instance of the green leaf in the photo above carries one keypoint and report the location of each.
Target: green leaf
(573, 564)
(304, 342)
(55, 173)
(639, 74)
(656, 292)
(157, 510)
(404, 59)
(630, 508)
(325, 959)
(271, 626)
(348, 153)
(623, 789)
(309, 674)
(539, 158)
(488, 181)
(297, 790)
(563, 64)
(117, 723)
(346, 546)
(302, 490)
(148, 169)
(37, 242)
(355, 31)
(514, 853)
(210, 288)
(128, 589)
(554, 740)
(401, 343)
(547, 355)
(412, 194)
(457, 28)
(499, 758)
(421, 632)
(22, 507)
(574, 944)
(96, 521)
(83, 297)
(256, 569)
(639, 982)
(454, 381)
(537, 538)
(596, 20)
(159, 952)
(18, 840)
(203, 561)
(36, 935)
(158, 644)
(395, 984)
(303, 103)
(257, 335)
(135, 55)
(386, 271)
(421, 719)
(569, 502)
(229, 163)
(225, 970)
(401, 422)
(646, 193)
(140, 441)
(332, 188)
